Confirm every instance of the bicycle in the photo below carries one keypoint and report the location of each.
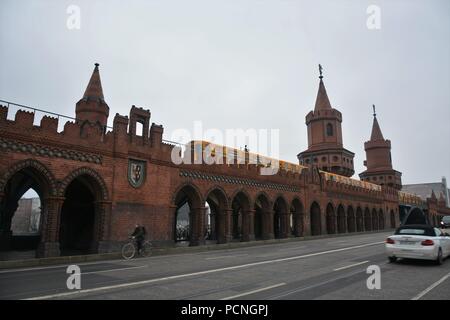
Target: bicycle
(129, 249)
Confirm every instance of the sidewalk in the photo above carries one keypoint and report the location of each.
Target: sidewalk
(26, 261)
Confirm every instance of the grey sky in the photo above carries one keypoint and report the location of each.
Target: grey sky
(245, 64)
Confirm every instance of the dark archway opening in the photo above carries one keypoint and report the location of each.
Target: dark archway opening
(359, 220)
(261, 206)
(381, 220)
(187, 202)
(367, 220)
(280, 214)
(341, 220)
(374, 220)
(392, 219)
(331, 220)
(216, 206)
(78, 213)
(315, 220)
(240, 207)
(22, 209)
(351, 221)
(296, 218)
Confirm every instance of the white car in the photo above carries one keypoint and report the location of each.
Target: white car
(418, 242)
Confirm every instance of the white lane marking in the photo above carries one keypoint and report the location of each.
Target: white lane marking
(137, 283)
(112, 270)
(301, 289)
(352, 265)
(230, 256)
(254, 291)
(434, 285)
(64, 265)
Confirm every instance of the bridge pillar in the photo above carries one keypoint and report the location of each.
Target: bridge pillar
(102, 224)
(228, 216)
(284, 225)
(299, 224)
(198, 227)
(222, 232)
(49, 245)
(248, 225)
(268, 224)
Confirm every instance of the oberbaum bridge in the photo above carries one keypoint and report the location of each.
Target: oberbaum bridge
(95, 183)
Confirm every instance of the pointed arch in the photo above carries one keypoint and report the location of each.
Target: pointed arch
(102, 193)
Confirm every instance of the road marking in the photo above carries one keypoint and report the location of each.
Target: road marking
(230, 256)
(111, 270)
(64, 265)
(352, 265)
(138, 283)
(434, 285)
(254, 291)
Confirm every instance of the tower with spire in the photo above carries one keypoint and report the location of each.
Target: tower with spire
(325, 146)
(379, 159)
(92, 108)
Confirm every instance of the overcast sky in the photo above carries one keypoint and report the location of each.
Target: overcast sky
(245, 64)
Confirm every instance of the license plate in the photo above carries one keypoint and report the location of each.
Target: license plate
(407, 243)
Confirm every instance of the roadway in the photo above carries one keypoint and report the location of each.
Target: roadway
(326, 268)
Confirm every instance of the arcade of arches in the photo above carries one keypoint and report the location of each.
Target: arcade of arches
(72, 215)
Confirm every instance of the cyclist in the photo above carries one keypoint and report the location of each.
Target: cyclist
(139, 235)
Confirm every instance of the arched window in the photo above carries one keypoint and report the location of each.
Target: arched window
(329, 129)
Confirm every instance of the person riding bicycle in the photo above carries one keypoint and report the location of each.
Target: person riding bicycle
(139, 235)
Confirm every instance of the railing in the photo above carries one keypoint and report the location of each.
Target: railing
(57, 115)
(349, 181)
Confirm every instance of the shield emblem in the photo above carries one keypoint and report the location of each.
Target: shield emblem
(136, 172)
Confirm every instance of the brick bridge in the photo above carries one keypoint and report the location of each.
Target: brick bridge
(95, 183)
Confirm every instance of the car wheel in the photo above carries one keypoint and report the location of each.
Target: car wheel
(440, 258)
(392, 259)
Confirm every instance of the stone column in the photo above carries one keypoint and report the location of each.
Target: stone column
(198, 227)
(284, 225)
(228, 221)
(267, 224)
(221, 229)
(49, 245)
(248, 221)
(102, 227)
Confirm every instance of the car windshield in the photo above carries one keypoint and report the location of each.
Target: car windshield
(416, 231)
(446, 219)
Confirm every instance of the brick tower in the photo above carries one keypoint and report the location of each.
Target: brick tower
(379, 160)
(92, 107)
(325, 146)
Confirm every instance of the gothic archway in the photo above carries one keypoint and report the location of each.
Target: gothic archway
(84, 219)
(189, 219)
(14, 183)
(315, 219)
(280, 218)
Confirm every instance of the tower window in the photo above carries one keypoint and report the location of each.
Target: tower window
(329, 130)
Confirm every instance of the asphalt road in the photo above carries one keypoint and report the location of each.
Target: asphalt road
(328, 268)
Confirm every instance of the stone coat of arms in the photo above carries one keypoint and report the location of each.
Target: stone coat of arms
(136, 172)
